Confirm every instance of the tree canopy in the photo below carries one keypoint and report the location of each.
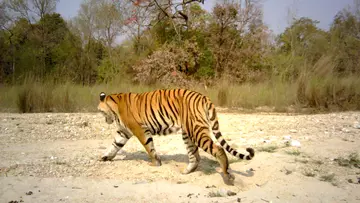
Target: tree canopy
(172, 42)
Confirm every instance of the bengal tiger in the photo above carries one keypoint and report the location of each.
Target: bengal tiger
(164, 112)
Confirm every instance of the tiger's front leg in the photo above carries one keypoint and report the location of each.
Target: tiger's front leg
(119, 142)
(147, 141)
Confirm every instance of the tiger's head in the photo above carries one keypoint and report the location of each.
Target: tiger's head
(107, 108)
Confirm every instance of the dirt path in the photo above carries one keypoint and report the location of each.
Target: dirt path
(55, 156)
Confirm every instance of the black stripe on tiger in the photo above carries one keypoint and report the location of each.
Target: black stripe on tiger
(118, 144)
(150, 139)
(113, 99)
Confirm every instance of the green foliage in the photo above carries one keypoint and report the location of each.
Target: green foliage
(304, 66)
(206, 63)
(105, 71)
(345, 41)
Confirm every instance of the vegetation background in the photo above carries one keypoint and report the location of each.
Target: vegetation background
(48, 64)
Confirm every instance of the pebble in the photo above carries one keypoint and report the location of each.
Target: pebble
(225, 193)
(287, 137)
(230, 193)
(293, 131)
(267, 141)
(295, 143)
(345, 130)
(29, 193)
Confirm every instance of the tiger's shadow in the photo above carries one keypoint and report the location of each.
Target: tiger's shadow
(206, 165)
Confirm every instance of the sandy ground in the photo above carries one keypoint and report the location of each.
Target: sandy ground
(53, 157)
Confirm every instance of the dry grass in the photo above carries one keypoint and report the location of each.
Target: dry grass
(328, 177)
(309, 173)
(268, 148)
(353, 160)
(304, 161)
(315, 88)
(293, 152)
(215, 194)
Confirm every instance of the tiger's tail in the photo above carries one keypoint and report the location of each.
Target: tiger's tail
(215, 129)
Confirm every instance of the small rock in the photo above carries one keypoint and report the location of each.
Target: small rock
(287, 137)
(29, 193)
(84, 124)
(213, 186)
(238, 199)
(267, 141)
(75, 187)
(140, 182)
(357, 126)
(115, 186)
(293, 131)
(345, 130)
(190, 194)
(350, 181)
(295, 143)
(230, 193)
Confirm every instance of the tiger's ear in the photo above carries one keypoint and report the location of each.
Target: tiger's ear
(102, 96)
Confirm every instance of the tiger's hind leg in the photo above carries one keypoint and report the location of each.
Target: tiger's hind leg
(118, 143)
(207, 144)
(193, 153)
(224, 164)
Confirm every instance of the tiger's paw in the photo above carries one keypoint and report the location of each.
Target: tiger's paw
(155, 163)
(185, 171)
(189, 169)
(228, 179)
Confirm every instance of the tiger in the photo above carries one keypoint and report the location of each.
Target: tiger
(163, 112)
